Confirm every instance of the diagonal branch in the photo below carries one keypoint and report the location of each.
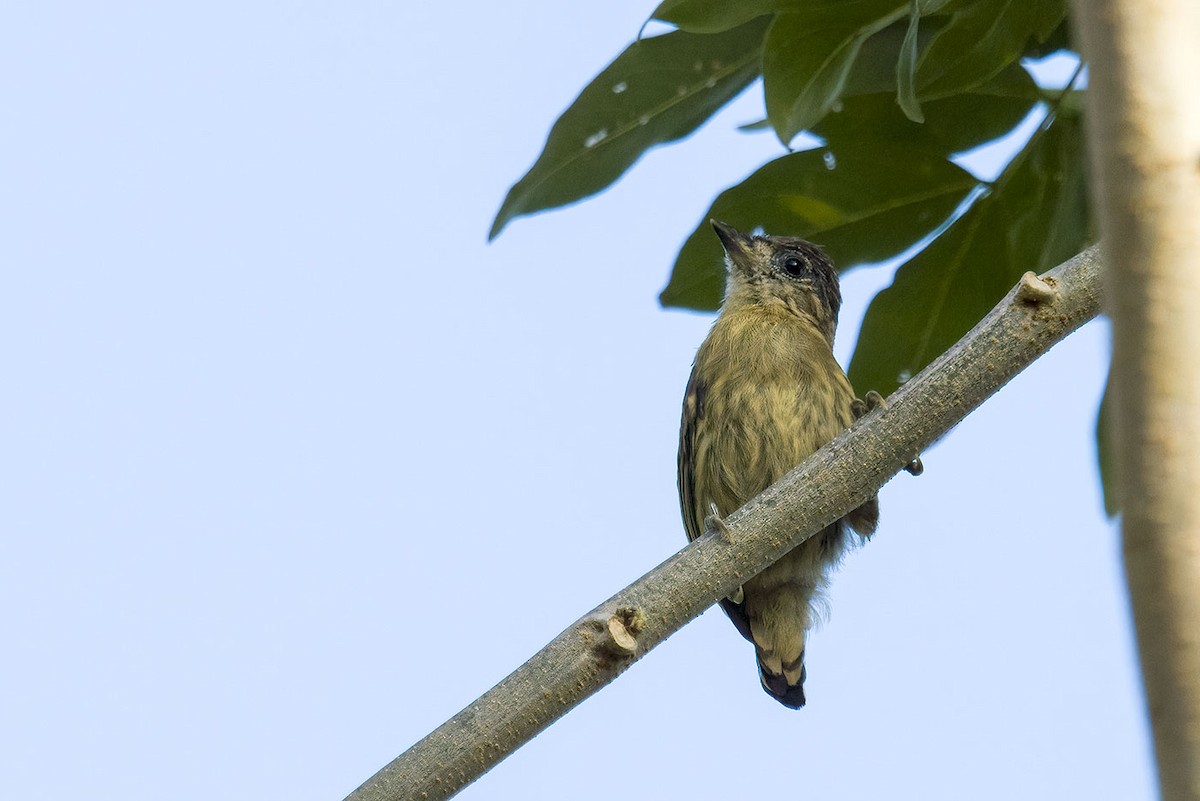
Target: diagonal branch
(1035, 315)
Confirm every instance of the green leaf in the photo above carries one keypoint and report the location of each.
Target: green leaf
(1035, 216)
(931, 301)
(906, 67)
(755, 127)
(1106, 454)
(808, 57)
(862, 200)
(1059, 39)
(1046, 233)
(875, 68)
(1071, 102)
(952, 125)
(657, 91)
(874, 72)
(981, 39)
(714, 16)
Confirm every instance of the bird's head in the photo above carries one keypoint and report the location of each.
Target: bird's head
(783, 271)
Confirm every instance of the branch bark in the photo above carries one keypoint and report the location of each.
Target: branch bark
(1144, 132)
(1036, 314)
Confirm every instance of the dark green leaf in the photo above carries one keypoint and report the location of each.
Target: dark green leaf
(658, 90)
(966, 120)
(808, 57)
(952, 125)
(875, 68)
(982, 38)
(977, 116)
(1034, 218)
(713, 16)
(1053, 226)
(1071, 102)
(862, 200)
(1106, 456)
(756, 126)
(1059, 39)
(906, 67)
(932, 300)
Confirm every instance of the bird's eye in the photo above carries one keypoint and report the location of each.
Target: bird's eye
(793, 266)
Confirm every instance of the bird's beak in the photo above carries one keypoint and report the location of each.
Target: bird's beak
(735, 242)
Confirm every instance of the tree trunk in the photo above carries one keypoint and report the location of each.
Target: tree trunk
(1144, 132)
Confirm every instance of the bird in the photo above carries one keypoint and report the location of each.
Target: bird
(765, 392)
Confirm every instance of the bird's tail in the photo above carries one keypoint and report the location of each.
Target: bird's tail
(778, 608)
(780, 617)
(783, 681)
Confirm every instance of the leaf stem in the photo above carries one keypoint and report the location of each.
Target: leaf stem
(1047, 122)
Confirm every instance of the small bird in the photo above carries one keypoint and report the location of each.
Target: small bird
(765, 393)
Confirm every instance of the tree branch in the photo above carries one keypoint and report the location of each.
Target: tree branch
(1036, 314)
(1144, 137)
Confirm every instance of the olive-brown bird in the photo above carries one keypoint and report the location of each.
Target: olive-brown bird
(764, 394)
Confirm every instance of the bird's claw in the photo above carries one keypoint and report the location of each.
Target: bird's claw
(860, 407)
(714, 523)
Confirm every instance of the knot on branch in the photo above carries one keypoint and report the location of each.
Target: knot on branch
(1036, 290)
(618, 634)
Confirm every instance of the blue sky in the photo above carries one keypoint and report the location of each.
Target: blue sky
(295, 465)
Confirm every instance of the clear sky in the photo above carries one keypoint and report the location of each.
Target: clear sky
(294, 465)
